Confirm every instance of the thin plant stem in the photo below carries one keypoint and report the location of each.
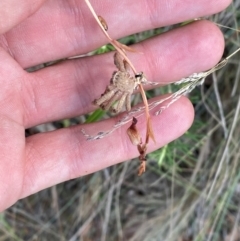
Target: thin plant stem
(112, 41)
(149, 132)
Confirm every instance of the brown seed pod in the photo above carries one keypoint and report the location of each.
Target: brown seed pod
(103, 22)
(133, 133)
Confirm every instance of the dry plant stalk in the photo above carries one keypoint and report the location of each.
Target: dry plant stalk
(122, 85)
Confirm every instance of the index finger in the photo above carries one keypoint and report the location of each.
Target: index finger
(66, 28)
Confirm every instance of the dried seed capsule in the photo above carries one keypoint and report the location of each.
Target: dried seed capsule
(103, 22)
(133, 133)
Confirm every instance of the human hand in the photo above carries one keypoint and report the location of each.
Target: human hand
(60, 28)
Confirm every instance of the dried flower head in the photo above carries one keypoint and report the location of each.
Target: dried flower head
(120, 90)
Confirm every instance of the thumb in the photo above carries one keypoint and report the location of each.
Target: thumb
(13, 12)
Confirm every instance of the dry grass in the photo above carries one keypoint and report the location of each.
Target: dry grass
(191, 189)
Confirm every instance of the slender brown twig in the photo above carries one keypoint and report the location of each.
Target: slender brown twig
(121, 49)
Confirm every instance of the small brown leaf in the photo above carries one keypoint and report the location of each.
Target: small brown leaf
(103, 22)
(150, 132)
(133, 133)
(142, 168)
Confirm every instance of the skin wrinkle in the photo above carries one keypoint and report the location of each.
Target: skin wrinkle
(10, 133)
(79, 23)
(30, 103)
(80, 16)
(39, 105)
(84, 85)
(12, 111)
(151, 6)
(154, 62)
(5, 45)
(35, 4)
(83, 165)
(47, 166)
(4, 187)
(148, 61)
(79, 161)
(16, 11)
(30, 171)
(20, 91)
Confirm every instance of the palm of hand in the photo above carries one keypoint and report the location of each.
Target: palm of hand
(27, 99)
